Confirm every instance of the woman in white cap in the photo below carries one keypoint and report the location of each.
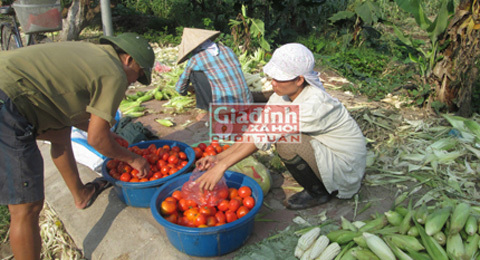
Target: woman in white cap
(331, 156)
(212, 68)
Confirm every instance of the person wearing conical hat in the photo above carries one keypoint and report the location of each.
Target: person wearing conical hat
(212, 68)
(47, 89)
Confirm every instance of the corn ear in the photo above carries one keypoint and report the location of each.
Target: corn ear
(342, 236)
(397, 251)
(436, 220)
(418, 255)
(306, 254)
(344, 250)
(459, 217)
(440, 238)
(349, 254)
(413, 231)
(455, 247)
(471, 226)
(298, 252)
(360, 241)
(330, 252)
(319, 246)
(307, 239)
(365, 254)
(405, 242)
(393, 217)
(402, 210)
(471, 246)
(435, 250)
(358, 224)
(164, 122)
(421, 213)
(378, 246)
(374, 224)
(406, 223)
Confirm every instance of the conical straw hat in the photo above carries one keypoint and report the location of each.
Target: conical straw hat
(191, 39)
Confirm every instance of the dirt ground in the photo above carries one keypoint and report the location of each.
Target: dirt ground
(370, 200)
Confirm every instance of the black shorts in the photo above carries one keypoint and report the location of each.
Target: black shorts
(21, 163)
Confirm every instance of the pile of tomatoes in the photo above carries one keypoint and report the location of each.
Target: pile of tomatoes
(232, 204)
(213, 148)
(164, 161)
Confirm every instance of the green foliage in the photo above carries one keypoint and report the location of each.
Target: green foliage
(4, 222)
(427, 54)
(248, 32)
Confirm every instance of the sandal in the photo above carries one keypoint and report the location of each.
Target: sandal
(99, 185)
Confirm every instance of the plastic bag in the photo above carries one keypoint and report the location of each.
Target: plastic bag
(253, 168)
(191, 191)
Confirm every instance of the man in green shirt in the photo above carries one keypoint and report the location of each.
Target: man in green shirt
(47, 89)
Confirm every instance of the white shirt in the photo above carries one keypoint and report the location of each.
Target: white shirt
(339, 145)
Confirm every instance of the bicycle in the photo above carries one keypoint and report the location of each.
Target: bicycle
(10, 37)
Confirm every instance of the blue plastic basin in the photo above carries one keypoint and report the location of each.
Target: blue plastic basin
(210, 241)
(139, 194)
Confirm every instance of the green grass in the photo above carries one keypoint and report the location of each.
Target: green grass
(4, 222)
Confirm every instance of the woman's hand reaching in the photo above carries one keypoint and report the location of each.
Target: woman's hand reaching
(206, 162)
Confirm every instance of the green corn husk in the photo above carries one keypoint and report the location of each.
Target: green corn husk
(349, 254)
(402, 210)
(346, 224)
(164, 122)
(147, 97)
(471, 226)
(454, 246)
(360, 240)
(440, 238)
(471, 246)
(437, 219)
(406, 223)
(364, 254)
(421, 214)
(405, 242)
(413, 232)
(435, 250)
(374, 224)
(419, 255)
(344, 250)
(397, 251)
(378, 246)
(459, 217)
(341, 235)
(393, 217)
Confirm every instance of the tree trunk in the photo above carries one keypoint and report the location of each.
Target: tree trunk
(454, 77)
(80, 14)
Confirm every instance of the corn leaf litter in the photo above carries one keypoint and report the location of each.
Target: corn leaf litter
(444, 158)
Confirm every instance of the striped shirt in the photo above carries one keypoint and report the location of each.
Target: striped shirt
(224, 74)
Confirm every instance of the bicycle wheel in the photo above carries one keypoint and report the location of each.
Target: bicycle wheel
(10, 40)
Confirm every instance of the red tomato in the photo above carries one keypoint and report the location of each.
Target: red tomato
(249, 202)
(143, 179)
(206, 210)
(166, 147)
(168, 207)
(210, 149)
(182, 204)
(183, 164)
(230, 216)
(191, 213)
(226, 146)
(173, 159)
(177, 195)
(202, 146)
(172, 171)
(165, 157)
(161, 163)
(200, 220)
(218, 149)
(172, 199)
(211, 221)
(220, 216)
(173, 218)
(176, 149)
(223, 193)
(126, 177)
(244, 191)
(157, 175)
(233, 205)
(242, 211)
(232, 193)
(223, 205)
(111, 164)
(135, 179)
(165, 170)
(182, 156)
(198, 152)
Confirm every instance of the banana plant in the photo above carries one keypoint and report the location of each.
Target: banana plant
(434, 30)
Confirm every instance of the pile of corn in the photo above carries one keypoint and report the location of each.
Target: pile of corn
(446, 231)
